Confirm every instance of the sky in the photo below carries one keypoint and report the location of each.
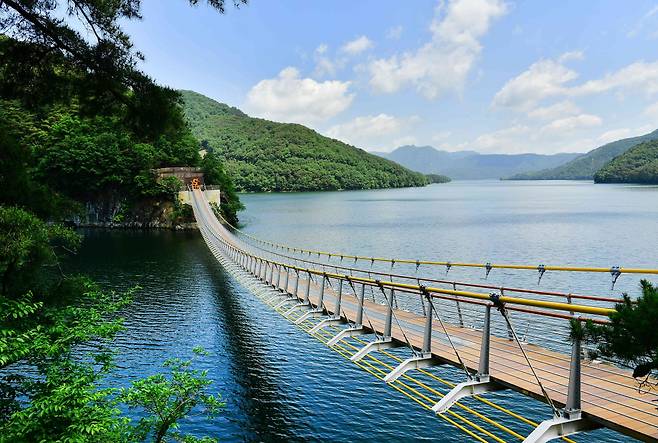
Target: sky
(495, 76)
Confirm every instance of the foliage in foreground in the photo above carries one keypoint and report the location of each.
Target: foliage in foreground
(167, 400)
(631, 336)
(55, 350)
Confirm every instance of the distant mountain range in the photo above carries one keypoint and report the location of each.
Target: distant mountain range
(471, 165)
(585, 166)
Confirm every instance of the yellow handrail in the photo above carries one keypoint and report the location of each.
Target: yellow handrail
(541, 268)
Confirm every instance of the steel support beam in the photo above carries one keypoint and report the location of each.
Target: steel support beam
(571, 420)
(317, 312)
(560, 427)
(425, 359)
(344, 333)
(415, 362)
(481, 383)
(326, 322)
(295, 307)
(377, 345)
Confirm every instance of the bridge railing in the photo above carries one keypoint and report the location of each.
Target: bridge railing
(279, 270)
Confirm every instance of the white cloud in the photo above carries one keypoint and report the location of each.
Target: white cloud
(613, 135)
(443, 63)
(321, 49)
(555, 111)
(543, 79)
(639, 76)
(290, 98)
(373, 132)
(441, 136)
(647, 21)
(572, 55)
(551, 78)
(395, 32)
(567, 125)
(358, 45)
(504, 140)
(405, 141)
(652, 111)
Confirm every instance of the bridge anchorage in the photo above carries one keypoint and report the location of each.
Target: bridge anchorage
(448, 323)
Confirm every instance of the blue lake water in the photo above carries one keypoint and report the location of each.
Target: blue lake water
(281, 384)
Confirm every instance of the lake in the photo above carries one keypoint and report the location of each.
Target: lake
(281, 384)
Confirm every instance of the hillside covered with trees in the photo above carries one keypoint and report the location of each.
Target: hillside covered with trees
(637, 165)
(262, 155)
(81, 130)
(585, 166)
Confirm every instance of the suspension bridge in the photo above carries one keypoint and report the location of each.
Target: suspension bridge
(399, 326)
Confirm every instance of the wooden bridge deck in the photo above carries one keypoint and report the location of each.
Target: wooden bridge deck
(610, 395)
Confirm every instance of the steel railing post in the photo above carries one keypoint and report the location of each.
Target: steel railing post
(388, 322)
(359, 311)
(296, 294)
(573, 394)
(321, 297)
(285, 283)
(338, 298)
(483, 368)
(427, 335)
(307, 294)
(278, 277)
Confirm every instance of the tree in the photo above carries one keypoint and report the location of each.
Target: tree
(214, 174)
(631, 336)
(170, 399)
(108, 55)
(44, 316)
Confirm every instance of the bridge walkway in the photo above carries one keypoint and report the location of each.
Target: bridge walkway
(609, 394)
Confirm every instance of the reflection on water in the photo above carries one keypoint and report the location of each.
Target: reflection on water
(282, 385)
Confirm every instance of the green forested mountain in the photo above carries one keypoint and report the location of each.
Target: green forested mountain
(637, 165)
(585, 166)
(262, 155)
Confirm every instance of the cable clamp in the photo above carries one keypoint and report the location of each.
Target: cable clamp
(488, 266)
(541, 269)
(448, 266)
(495, 299)
(392, 263)
(417, 265)
(615, 271)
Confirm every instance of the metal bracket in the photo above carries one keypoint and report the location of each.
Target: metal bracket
(416, 362)
(283, 302)
(377, 345)
(488, 266)
(481, 385)
(271, 300)
(349, 332)
(324, 323)
(557, 427)
(297, 306)
(317, 312)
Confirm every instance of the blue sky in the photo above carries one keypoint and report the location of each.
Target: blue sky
(487, 75)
